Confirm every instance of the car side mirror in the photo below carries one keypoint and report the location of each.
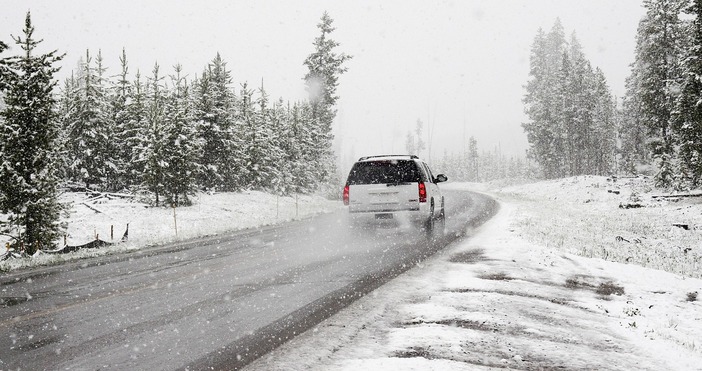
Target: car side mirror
(440, 178)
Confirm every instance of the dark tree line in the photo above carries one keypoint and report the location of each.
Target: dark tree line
(162, 134)
(572, 114)
(662, 113)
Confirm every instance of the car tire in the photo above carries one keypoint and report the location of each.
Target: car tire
(429, 224)
(440, 225)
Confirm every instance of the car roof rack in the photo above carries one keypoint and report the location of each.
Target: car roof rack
(378, 156)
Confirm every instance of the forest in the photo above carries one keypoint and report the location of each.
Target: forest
(576, 127)
(165, 135)
(160, 135)
(661, 121)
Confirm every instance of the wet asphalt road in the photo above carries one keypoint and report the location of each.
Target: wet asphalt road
(212, 303)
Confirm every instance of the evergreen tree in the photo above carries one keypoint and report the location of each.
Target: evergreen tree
(602, 143)
(413, 141)
(421, 146)
(582, 139)
(123, 132)
(300, 149)
(280, 126)
(254, 138)
(632, 130)
(180, 151)
(571, 118)
(90, 132)
(269, 144)
(688, 120)
(68, 103)
(153, 145)
(410, 144)
(565, 125)
(540, 100)
(656, 63)
(135, 130)
(325, 66)
(110, 162)
(28, 136)
(4, 70)
(473, 160)
(215, 114)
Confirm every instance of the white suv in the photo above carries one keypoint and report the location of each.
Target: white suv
(395, 188)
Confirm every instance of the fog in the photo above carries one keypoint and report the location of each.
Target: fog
(458, 66)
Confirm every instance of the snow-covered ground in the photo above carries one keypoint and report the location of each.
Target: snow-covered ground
(623, 220)
(516, 295)
(107, 217)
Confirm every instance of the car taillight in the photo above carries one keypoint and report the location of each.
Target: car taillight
(422, 192)
(346, 195)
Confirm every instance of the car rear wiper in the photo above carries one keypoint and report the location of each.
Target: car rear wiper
(398, 184)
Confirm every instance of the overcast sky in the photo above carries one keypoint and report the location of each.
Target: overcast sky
(459, 66)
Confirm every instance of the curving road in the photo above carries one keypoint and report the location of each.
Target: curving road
(213, 303)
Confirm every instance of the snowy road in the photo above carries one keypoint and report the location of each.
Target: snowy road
(219, 302)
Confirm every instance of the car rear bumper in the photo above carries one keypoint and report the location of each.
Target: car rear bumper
(389, 217)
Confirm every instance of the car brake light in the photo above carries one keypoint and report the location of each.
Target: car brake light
(422, 192)
(346, 195)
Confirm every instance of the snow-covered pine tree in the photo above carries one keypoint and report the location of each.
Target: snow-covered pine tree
(688, 118)
(28, 136)
(66, 116)
(70, 102)
(152, 147)
(207, 132)
(474, 160)
(134, 133)
(555, 51)
(4, 70)
(540, 100)
(564, 127)
(410, 145)
(657, 56)
(110, 163)
(90, 132)
(563, 100)
(633, 133)
(325, 66)
(414, 144)
(282, 136)
(302, 149)
(604, 122)
(181, 149)
(269, 145)
(285, 136)
(215, 114)
(536, 107)
(119, 96)
(418, 132)
(252, 140)
(580, 156)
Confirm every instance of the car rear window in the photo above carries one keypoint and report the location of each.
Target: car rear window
(384, 172)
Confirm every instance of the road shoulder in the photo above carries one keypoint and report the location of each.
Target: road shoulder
(495, 300)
